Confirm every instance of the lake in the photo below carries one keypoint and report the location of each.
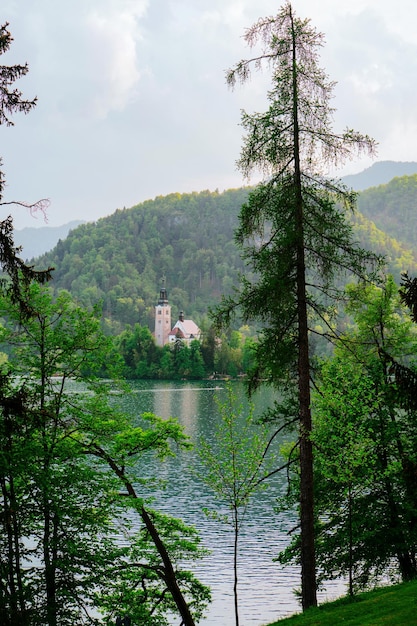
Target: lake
(266, 589)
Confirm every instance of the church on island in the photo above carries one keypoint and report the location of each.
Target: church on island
(185, 330)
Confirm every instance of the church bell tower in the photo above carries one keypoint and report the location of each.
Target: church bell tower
(162, 318)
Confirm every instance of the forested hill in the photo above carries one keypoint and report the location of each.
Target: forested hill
(393, 208)
(186, 238)
(121, 259)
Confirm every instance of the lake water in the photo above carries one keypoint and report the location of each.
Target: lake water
(266, 589)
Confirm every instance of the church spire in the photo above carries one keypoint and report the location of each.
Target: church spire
(163, 295)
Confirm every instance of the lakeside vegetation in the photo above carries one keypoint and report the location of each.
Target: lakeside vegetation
(119, 261)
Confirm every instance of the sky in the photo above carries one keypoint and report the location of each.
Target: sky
(133, 102)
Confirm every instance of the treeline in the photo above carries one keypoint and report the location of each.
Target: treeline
(228, 355)
(188, 239)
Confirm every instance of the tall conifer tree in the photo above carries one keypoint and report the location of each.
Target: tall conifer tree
(293, 228)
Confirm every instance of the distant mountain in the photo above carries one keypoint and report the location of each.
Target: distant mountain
(37, 241)
(380, 173)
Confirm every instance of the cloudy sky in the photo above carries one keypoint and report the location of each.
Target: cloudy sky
(132, 100)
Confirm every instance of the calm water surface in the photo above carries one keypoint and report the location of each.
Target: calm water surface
(266, 589)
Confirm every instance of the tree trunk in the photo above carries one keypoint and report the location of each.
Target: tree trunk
(308, 558)
(236, 537)
(50, 568)
(17, 605)
(170, 577)
(169, 571)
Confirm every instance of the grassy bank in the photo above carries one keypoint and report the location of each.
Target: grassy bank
(388, 606)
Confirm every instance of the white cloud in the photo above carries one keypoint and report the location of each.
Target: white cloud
(133, 101)
(113, 59)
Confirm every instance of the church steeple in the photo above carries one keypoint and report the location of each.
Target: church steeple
(162, 317)
(163, 296)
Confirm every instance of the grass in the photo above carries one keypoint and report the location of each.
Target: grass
(388, 606)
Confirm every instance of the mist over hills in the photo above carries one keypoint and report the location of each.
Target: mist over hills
(37, 241)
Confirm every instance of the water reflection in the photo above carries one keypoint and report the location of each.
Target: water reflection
(265, 588)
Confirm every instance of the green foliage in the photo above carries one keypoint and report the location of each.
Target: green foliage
(408, 294)
(399, 257)
(58, 504)
(143, 359)
(393, 208)
(148, 583)
(139, 353)
(234, 467)
(66, 457)
(136, 585)
(366, 442)
(120, 259)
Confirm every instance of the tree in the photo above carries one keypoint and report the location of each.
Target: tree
(180, 357)
(208, 349)
(162, 543)
(67, 457)
(408, 294)
(404, 376)
(48, 488)
(11, 101)
(137, 348)
(293, 230)
(196, 361)
(365, 438)
(235, 467)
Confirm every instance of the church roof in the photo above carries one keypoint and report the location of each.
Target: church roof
(188, 328)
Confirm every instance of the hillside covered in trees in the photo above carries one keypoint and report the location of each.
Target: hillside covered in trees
(393, 208)
(120, 260)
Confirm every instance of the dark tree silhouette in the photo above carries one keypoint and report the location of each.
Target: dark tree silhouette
(11, 101)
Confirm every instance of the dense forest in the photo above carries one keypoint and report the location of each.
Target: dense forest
(121, 259)
(189, 239)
